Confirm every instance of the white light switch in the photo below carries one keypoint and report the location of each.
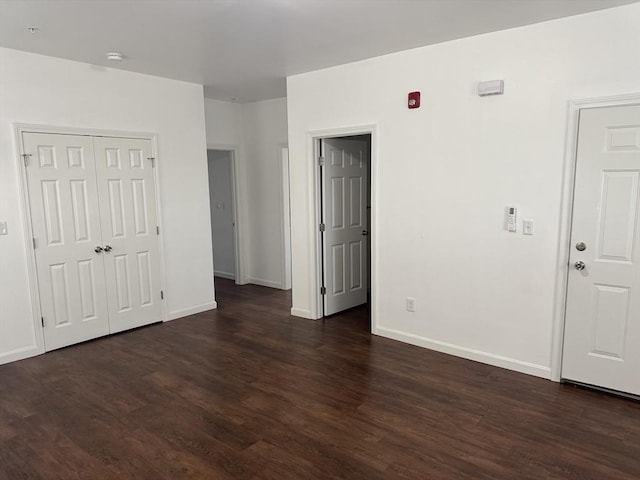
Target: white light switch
(3, 228)
(527, 227)
(411, 304)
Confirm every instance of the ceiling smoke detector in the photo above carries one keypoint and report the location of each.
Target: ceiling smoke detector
(115, 56)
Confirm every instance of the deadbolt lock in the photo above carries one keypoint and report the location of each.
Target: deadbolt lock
(581, 246)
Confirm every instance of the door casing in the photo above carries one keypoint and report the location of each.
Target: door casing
(562, 275)
(19, 129)
(285, 219)
(313, 141)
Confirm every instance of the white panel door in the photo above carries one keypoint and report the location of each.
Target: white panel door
(602, 330)
(345, 217)
(128, 215)
(65, 219)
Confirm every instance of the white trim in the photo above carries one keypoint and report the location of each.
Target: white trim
(468, 353)
(238, 253)
(89, 132)
(317, 307)
(315, 265)
(285, 217)
(299, 312)
(265, 283)
(19, 129)
(25, 209)
(159, 219)
(185, 312)
(20, 354)
(566, 208)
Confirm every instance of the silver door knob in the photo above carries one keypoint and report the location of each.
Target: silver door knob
(98, 249)
(579, 265)
(364, 233)
(107, 248)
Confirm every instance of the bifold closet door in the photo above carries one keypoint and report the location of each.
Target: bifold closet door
(126, 194)
(65, 218)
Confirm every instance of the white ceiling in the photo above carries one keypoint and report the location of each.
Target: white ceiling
(243, 50)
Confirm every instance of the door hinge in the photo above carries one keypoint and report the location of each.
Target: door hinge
(323, 227)
(25, 158)
(161, 295)
(153, 161)
(323, 290)
(321, 161)
(42, 321)
(34, 243)
(157, 230)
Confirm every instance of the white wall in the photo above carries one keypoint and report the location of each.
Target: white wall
(42, 90)
(257, 131)
(265, 131)
(223, 123)
(444, 173)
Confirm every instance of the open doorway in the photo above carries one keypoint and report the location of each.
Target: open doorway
(222, 198)
(344, 201)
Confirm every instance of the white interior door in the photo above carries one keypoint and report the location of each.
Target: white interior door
(65, 220)
(345, 253)
(129, 220)
(602, 329)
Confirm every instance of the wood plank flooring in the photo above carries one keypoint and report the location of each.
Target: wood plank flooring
(248, 392)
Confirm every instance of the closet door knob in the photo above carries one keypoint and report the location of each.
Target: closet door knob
(107, 248)
(98, 249)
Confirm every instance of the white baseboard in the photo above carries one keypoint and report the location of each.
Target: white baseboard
(191, 310)
(468, 353)
(299, 312)
(264, 283)
(230, 276)
(20, 354)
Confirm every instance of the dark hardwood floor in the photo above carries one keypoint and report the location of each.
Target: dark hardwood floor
(248, 392)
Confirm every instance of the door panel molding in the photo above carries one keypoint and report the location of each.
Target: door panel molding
(18, 130)
(564, 248)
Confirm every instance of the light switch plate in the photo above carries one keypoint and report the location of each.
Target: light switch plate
(3, 228)
(527, 227)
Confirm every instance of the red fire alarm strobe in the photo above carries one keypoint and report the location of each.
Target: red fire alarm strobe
(414, 100)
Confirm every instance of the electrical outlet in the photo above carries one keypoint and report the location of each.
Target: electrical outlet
(411, 304)
(527, 227)
(3, 228)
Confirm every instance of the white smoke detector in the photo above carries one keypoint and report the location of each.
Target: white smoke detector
(115, 56)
